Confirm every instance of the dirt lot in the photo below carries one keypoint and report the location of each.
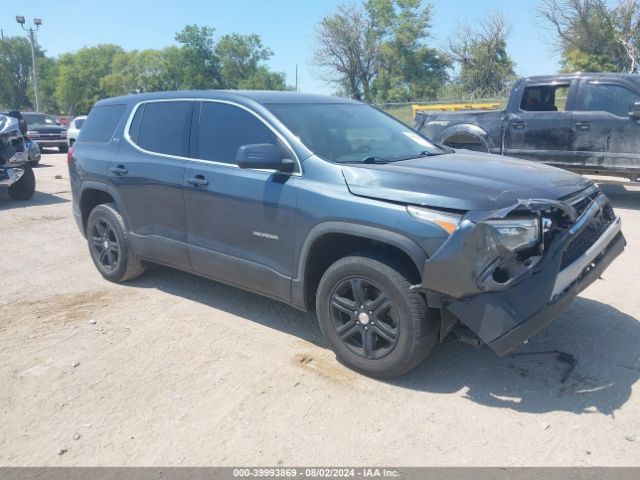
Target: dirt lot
(171, 369)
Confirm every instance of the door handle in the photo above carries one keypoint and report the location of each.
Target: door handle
(583, 126)
(119, 170)
(198, 181)
(517, 124)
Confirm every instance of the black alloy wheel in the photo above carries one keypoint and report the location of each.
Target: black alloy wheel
(364, 318)
(104, 245)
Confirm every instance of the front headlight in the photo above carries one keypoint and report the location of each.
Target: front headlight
(445, 220)
(517, 233)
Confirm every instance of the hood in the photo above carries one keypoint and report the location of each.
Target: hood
(462, 181)
(45, 128)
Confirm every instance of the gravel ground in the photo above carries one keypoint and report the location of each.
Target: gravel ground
(172, 369)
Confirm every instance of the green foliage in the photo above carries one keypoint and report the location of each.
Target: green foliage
(595, 35)
(263, 79)
(78, 82)
(481, 54)
(72, 83)
(380, 52)
(199, 65)
(409, 68)
(15, 72)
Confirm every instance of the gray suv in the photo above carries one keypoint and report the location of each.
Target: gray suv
(331, 205)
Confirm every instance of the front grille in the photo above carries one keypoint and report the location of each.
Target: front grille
(588, 236)
(51, 136)
(582, 204)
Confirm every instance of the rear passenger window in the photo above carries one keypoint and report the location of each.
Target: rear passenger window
(224, 128)
(615, 99)
(164, 127)
(101, 123)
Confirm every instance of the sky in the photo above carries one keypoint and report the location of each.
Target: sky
(286, 27)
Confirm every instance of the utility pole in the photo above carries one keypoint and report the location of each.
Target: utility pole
(32, 39)
(296, 78)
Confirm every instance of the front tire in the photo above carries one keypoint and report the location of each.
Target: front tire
(110, 246)
(24, 188)
(63, 148)
(374, 322)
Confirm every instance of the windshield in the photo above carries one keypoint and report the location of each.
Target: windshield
(352, 133)
(37, 119)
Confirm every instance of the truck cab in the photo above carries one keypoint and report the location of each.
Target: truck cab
(587, 123)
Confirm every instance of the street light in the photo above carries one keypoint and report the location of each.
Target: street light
(32, 38)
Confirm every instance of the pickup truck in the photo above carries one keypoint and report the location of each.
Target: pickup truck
(588, 123)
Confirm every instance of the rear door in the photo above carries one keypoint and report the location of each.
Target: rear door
(240, 221)
(148, 175)
(538, 125)
(604, 135)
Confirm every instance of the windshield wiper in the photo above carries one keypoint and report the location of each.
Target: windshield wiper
(369, 160)
(374, 160)
(418, 155)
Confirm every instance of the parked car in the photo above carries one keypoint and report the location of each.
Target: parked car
(584, 122)
(16, 174)
(331, 205)
(74, 129)
(33, 151)
(46, 131)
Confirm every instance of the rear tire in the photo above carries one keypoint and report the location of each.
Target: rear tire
(110, 245)
(394, 331)
(24, 188)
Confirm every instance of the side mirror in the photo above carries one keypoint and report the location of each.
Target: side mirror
(634, 111)
(263, 155)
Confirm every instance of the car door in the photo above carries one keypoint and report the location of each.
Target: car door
(538, 126)
(148, 175)
(604, 135)
(240, 222)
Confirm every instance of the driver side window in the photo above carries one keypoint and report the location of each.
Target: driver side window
(223, 128)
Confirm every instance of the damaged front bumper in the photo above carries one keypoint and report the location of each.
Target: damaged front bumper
(460, 277)
(13, 170)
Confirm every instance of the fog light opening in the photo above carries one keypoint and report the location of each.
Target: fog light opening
(500, 275)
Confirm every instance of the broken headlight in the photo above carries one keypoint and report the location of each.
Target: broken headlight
(448, 221)
(517, 233)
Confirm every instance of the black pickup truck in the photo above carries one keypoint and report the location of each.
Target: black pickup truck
(585, 122)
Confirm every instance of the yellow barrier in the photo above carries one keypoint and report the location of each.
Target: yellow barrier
(442, 107)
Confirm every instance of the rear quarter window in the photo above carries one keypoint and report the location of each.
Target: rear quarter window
(101, 123)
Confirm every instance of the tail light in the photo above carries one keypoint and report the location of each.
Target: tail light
(69, 156)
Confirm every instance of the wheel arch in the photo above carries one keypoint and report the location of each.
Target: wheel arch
(93, 194)
(330, 241)
(470, 131)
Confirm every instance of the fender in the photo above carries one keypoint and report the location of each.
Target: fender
(91, 185)
(408, 246)
(467, 128)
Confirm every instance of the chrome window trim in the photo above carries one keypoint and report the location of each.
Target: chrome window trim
(135, 108)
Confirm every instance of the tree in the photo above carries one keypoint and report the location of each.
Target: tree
(593, 36)
(240, 56)
(263, 79)
(481, 53)
(347, 51)
(199, 67)
(408, 68)
(378, 51)
(140, 71)
(15, 72)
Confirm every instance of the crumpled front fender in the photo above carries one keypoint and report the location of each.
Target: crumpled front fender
(458, 275)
